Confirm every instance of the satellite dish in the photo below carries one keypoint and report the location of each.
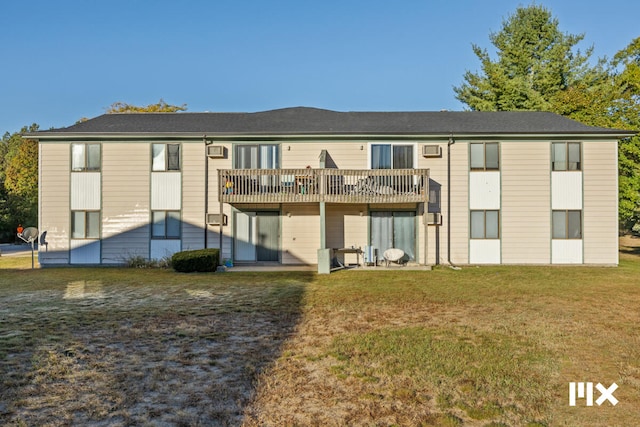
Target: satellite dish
(29, 234)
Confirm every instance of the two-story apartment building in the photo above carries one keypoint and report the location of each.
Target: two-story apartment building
(278, 186)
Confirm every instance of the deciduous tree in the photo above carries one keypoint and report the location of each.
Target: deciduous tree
(160, 107)
(625, 111)
(18, 182)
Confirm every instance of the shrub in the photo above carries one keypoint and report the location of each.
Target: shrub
(198, 260)
(138, 261)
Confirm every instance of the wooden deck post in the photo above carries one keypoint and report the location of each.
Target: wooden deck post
(323, 226)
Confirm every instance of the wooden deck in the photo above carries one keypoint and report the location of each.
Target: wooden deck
(323, 185)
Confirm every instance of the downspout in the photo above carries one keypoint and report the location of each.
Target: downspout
(206, 190)
(425, 220)
(449, 144)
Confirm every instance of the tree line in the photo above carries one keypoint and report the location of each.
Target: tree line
(536, 67)
(18, 183)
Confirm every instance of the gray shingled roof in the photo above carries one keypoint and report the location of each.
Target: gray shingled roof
(314, 121)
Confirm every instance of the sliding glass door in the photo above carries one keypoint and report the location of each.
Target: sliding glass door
(394, 230)
(392, 156)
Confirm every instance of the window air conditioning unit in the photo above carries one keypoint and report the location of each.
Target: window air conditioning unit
(215, 151)
(431, 151)
(434, 218)
(214, 219)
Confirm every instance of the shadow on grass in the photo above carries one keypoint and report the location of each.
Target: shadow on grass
(141, 347)
(630, 250)
(630, 245)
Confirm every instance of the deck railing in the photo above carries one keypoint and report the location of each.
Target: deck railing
(323, 185)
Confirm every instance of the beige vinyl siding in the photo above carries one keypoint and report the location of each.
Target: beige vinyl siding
(213, 234)
(437, 253)
(54, 213)
(300, 233)
(193, 158)
(345, 154)
(459, 205)
(600, 214)
(346, 227)
(420, 250)
(526, 198)
(125, 200)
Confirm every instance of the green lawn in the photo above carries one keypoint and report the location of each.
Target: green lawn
(483, 346)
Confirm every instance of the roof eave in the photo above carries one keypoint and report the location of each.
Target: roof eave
(613, 134)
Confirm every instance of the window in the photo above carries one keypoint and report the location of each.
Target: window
(256, 156)
(485, 225)
(85, 224)
(567, 224)
(565, 156)
(165, 224)
(392, 156)
(165, 157)
(85, 157)
(485, 156)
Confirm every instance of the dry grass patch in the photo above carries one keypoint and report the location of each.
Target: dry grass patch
(135, 348)
(482, 346)
(491, 346)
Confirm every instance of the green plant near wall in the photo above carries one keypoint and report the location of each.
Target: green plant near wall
(201, 260)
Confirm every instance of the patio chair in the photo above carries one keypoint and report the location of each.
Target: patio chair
(394, 255)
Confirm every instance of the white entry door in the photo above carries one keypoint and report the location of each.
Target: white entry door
(256, 236)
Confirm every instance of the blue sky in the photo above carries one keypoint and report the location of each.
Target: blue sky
(63, 60)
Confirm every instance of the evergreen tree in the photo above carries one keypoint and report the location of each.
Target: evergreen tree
(536, 61)
(538, 68)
